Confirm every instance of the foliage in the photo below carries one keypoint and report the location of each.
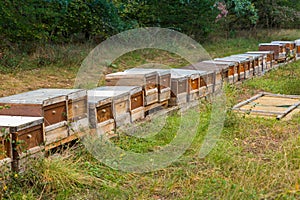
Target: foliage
(58, 20)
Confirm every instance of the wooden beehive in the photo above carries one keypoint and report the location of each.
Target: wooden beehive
(127, 102)
(259, 60)
(100, 114)
(222, 69)
(290, 48)
(241, 65)
(212, 75)
(297, 43)
(193, 86)
(40, 103)
(77, 116)
(164, 82)
(268, 61)
(27, 138)
(232, 69)
(279, 50)
(145, 79)
(179, 89)
(250, 64)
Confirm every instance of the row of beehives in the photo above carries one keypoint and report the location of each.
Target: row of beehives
(51, 117)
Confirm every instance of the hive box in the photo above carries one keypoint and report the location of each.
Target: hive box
(259, 60)
(279, 50)
(250, 64)
(211, 77)
(222, 68)
(179, 89)
(290, 48)
(145, 79)
(164, 82)
(193, 82)
(64, 110)
(100, 114)
(269, 60)
(241, 65)
(27, 138)
(77, 116)
(127, 102)
(232, 69)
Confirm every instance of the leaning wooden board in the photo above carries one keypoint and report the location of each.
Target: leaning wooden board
(21, 137)
(267, 104)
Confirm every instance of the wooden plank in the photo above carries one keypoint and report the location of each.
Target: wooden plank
(280, 116)
(247, 101)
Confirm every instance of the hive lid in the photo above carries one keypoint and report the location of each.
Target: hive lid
(270, 44)
(133, 74)
(297, 42)
(41, 96)
(284, 42)
(94, 99)
(70, 93)
(18, 123)
(177, 73)
(159, 71)
(216, 62)
(263, 52)
(235, 59)
(114, 91)
(206, 67)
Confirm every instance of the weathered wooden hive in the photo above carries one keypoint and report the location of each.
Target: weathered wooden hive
(259, 60)
(297, 43)
(164, 82)
(250, 67)
(100, 112)
(269, 60)
(290, 48)
(193, 82)
(179, 89)
(63, 110)
(232, 69)
(77, 115)
(147, 80)
(226, 69)
(212, 75)
(279, 50)
(127, 102)
(21, 138)
(241, 65)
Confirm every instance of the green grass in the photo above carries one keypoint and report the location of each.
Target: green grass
(254, 158)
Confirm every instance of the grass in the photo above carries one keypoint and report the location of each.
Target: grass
(254, 158)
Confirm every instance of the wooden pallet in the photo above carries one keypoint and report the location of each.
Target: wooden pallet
(271, 105)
